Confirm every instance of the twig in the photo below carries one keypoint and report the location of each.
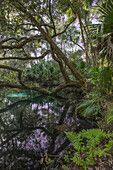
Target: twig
(64, 29)
(51, 17)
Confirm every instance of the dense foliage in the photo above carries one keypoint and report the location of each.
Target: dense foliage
(48, 46)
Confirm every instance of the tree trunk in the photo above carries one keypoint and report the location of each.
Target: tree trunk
(58, 52)
(47, 37)
(85, 46)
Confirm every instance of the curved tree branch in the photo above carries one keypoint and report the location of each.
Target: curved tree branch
(64, 29)
(27, 58)
(14, 69)
(12, 85)
(65, 85)
(20, 44)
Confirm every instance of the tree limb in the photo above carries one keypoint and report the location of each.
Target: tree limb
(14, 69)
(23, 25)
(18, 46)
(27, 58)
(12, 85)
(65, 85)
(63, 70)
(78, 45)
(64, 29)
(20, 25)
(51, 17)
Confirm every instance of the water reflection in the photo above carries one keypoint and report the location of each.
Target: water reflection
(31, 127)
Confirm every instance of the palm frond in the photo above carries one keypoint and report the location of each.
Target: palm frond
(106, 10)
(88, 108)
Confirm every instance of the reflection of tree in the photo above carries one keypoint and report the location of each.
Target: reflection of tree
(55, 132)
(20, 128)
(27, 127)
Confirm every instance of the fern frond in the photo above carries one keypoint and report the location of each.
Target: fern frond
(91, 138)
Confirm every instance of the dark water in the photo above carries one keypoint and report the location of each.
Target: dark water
(31, 128)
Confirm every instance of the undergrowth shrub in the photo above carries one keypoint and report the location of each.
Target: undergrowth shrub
(88, 145)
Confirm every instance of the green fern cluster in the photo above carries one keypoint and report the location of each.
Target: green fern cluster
(109, 115)
(87, 145)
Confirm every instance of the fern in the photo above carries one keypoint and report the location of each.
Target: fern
(109, 145)
(109, 116)
(87, 145)
(72, 136)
